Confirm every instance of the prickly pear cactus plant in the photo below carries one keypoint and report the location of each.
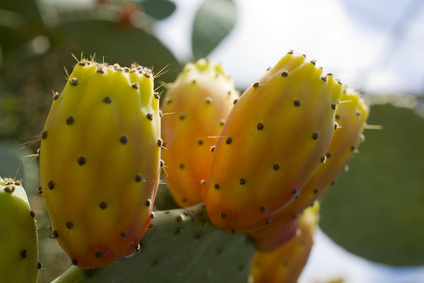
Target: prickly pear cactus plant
(351, 116)
(195, 109)
(18, 235)
(181, 245)
(286, 263)
(274, 139)
(100, 161)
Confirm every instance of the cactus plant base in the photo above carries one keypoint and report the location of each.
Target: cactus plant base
(180, 246)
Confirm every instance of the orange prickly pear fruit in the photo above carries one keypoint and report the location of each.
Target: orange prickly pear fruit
(351, 116)
(286, 263)
(198, 103)
(100, 161)
(272, 143)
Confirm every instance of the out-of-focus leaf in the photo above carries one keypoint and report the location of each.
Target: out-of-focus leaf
(116, 44)
(213, 22)
(158, 9)
(376, 210)
(28, 9)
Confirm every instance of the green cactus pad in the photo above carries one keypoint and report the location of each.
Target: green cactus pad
(181, 246)
(376, 211)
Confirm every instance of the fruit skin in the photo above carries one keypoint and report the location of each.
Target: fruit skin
(18, 234)
(351, 116)
(271, 144)
(100, 161)
(286, 263)
(198, 102)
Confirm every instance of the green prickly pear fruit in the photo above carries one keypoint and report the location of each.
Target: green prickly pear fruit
(351, 116)
(271, 144)
(18, 234)
(198, 103)
(100, 161)
(286, 263)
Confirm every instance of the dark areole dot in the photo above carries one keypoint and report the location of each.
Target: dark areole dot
(99, 254)
(242, 181)
(138, 178)
(124, 234)
(228, 140)
(74, 261)
(44, 134)
(315, 136)
(51, 185)
(24, 253)
(124, 139)
(74, 81)
(216, 186)
(70, 120)
(81, 160)
(69, 225)
(107, 100)
(284, 73)
(103, 205)
(296, 103)
(276, 167)
(260, 126)
(32, 213)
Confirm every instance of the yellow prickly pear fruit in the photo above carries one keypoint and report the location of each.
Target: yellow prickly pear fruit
(18, 235)
(286, 263)
(351, 116)
(100, 161)
(195, 109)
(272, 143)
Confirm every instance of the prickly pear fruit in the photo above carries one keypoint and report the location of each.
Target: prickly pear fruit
(18, 234)
(286, 263)
(198, 103)
(272, 143)
(100, 161)
(351, 116)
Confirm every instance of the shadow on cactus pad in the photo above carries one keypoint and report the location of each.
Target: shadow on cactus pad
(181, 246)
(376, 209)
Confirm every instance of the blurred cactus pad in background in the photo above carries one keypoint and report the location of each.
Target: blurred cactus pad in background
(374, 209)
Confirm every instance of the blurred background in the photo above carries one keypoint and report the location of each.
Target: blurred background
(372, 220)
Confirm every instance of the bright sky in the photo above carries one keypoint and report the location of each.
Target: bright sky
(374, 46)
